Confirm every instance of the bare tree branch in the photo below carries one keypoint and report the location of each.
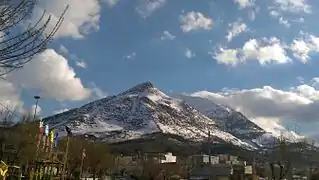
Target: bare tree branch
(18, 47)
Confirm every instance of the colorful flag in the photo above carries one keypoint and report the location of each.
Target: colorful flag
(55, 140)
(51, 136)
(68, 131)
(46, 131)
(41, 127)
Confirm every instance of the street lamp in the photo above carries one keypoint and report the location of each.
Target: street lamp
(39, 136)
(36, 106)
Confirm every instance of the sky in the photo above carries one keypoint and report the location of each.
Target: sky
(257, 56)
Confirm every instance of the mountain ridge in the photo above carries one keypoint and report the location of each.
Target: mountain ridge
(226, 116)
(139, 111)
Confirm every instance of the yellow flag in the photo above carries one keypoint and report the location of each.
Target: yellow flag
(3, 171)
(52, 136)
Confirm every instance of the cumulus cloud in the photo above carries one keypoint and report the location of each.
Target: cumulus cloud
(147, 7)
(227, 56)
(236, 29)
(245, 3)
(269, 107)
(167, 36)
(75, 24)
(9, 96)
(35, 110)
(264, 50)
(303, 46)
(194, 21)
(267, 50)
(189, 53)
(51, 74)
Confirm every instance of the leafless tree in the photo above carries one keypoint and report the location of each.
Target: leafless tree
(283, 162)
(18, 44)
(6, 121)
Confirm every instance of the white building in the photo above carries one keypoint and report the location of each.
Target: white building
(169, 158)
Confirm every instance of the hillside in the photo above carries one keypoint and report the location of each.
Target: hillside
(140, 112)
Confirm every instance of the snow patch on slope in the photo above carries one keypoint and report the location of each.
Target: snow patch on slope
(141, 111)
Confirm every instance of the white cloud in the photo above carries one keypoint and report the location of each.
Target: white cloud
(189, 53)
(111, 3)
(227, 56)
(303, 46)
(315, 82)
(293, 6)
(63, 49)
(50, 74)
(314, 138)
(130, 56)
(81, 64)
(236, 28)
(147, 7)
(194, 21)
(60, 111)
(245, 3)
(280, 18)
(167, 36)
(80, 19)
(98, 92)
(265, 50)
(78, 62)
(269, 107)
(9, 96)
(37, 111)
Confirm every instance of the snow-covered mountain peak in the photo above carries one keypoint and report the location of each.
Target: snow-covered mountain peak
(141, 112)
(139, 88)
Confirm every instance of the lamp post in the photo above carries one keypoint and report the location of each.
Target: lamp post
(36, 105)
(39, 136)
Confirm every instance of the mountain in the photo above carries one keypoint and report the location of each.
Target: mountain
(226, 118)
(232, 121)
(140, 113)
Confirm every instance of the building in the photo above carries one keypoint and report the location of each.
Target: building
(169, 158)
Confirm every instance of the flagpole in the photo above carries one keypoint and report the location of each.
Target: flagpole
(65, 157)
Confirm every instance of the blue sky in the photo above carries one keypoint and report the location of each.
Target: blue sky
(257, 56)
